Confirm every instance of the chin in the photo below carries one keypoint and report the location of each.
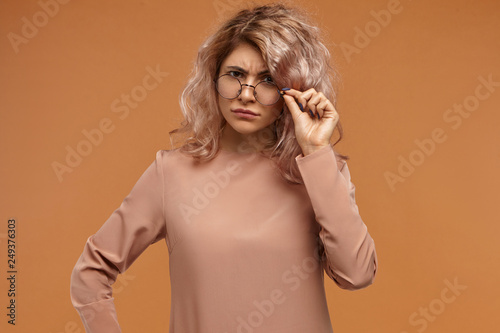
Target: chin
(246, 130)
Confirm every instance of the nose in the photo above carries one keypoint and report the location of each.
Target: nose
(247, 93)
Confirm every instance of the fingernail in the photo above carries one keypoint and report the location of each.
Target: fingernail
(285, 89)
(312, 114)
(318, 115)
(301, 107)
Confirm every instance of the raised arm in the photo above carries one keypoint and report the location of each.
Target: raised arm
(137, 223)
(349, 251)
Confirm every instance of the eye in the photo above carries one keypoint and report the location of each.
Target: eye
(268, 79)
(235, 74)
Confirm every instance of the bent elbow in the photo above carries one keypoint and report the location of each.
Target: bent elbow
(364, 276)
(76, 287)
(355, 280)
(88, 285)
(360, 282)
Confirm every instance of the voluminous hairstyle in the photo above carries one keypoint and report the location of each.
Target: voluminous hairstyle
(296, 57)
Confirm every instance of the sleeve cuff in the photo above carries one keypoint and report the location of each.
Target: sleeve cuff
(326, 153)
(99, 317)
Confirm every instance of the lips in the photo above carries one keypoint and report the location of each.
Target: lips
(245, 111)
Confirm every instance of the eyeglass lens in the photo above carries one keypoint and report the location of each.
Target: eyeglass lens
(229, 87)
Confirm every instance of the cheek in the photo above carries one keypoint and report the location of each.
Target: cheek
(276, 109)
(223, 104)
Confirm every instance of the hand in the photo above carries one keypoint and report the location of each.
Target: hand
(314, 117)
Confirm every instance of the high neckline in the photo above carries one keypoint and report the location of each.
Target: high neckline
(238, 152)
(224, 152)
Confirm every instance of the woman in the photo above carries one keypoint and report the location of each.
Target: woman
(255, 205)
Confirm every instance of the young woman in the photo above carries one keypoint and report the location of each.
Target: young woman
(255, 205)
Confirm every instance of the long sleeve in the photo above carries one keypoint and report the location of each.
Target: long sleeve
(349, 250)
(137, 223)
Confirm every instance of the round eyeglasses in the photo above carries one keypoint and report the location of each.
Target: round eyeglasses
(265, 92)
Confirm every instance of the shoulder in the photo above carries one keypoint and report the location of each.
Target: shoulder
(172, 159)
(170, 155)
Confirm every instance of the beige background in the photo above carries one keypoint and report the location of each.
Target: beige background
(438, 223)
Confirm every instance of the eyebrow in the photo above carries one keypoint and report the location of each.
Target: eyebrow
(266, 71)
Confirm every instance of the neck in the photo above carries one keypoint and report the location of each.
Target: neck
(238, 142)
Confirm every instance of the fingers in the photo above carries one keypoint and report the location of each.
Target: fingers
(293, 106)
(294, 100)
(303, 100)
(311, 101)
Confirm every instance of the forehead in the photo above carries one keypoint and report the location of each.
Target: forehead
(246, 57)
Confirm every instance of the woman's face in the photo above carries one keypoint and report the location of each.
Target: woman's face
(246, 64)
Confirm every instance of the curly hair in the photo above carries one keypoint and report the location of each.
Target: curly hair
(296, 57)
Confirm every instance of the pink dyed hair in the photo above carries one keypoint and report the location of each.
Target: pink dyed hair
(296, 58)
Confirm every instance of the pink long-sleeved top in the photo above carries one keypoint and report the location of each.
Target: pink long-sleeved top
(247, 250)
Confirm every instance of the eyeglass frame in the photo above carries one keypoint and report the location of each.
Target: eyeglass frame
(248, 85)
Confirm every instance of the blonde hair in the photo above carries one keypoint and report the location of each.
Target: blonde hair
(296, 58)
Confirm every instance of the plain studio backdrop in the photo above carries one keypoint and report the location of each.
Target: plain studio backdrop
(89, 92)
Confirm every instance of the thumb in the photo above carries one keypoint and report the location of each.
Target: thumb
(292, 106)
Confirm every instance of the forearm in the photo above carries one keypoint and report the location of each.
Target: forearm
(91, 291)
(351, 259)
